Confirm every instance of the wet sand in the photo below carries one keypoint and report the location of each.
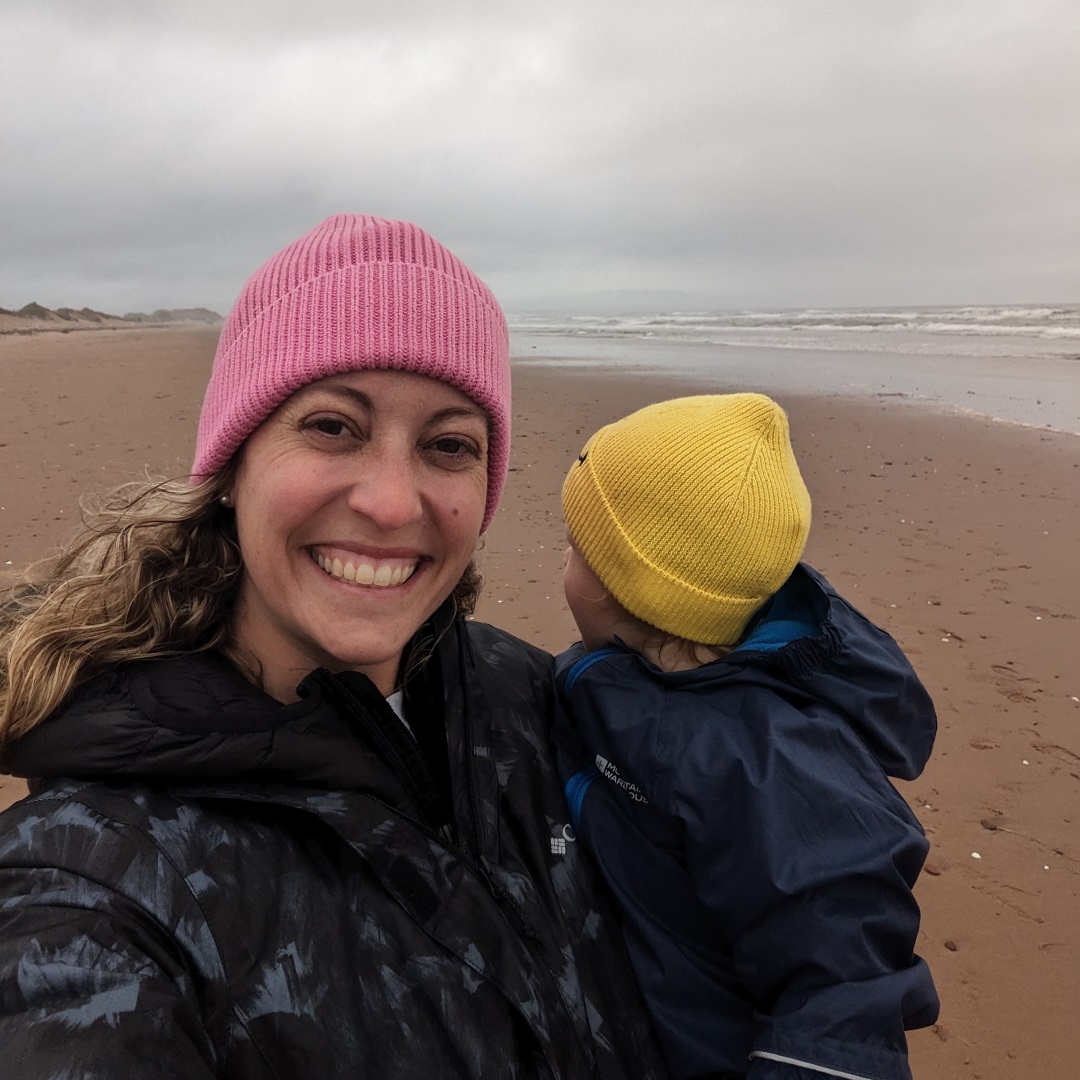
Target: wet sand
(959, 535)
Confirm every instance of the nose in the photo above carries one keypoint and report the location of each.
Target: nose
(387, 489)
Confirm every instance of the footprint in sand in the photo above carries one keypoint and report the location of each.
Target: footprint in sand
(1046, 613)
(1007, 683)
(1008, 896)
(1062, 753)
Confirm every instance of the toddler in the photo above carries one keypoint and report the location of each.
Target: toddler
(727, 728)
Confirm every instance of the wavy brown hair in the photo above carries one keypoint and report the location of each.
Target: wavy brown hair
(155, 573)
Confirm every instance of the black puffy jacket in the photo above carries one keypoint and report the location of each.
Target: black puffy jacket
(207, 883)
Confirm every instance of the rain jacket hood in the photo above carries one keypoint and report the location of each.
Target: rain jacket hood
(814, 648)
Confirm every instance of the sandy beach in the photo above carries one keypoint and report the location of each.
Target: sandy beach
(958, 535)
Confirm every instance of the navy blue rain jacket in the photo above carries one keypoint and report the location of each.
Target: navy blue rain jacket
(763, 861)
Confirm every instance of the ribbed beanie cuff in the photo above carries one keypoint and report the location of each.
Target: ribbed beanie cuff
(691, 512)
(357, 293)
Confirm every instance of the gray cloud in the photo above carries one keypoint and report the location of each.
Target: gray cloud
(715, 153)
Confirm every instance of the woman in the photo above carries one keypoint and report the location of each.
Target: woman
(291, 815)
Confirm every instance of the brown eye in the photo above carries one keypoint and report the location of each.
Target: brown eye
(329, 427)
(453, 447)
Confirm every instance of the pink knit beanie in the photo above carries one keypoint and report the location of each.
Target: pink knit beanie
(357, 293)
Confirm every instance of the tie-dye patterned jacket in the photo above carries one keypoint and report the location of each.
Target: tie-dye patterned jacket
(205, 883)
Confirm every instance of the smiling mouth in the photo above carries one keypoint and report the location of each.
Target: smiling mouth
(380, 573)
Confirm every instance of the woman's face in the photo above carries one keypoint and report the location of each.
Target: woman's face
(359, 503)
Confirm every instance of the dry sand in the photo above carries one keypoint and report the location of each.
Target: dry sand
(960, 536)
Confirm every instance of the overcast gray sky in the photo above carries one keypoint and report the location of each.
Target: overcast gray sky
(594, 154)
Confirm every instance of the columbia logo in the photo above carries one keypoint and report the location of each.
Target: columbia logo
(566, 836)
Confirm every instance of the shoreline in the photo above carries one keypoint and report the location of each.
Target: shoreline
(957, 534)
(719, 385)
(1041, 391)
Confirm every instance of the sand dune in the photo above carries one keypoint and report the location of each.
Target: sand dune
(33, 318)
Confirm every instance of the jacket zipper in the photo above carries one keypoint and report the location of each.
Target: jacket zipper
(470, 780)
(397, 762)
(576, 788)
(480, 869)
(480, 865)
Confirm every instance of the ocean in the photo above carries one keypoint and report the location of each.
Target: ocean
(1018, 364)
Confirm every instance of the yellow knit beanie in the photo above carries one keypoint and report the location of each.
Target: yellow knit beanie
(692, 512)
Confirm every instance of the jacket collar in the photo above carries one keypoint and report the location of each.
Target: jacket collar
(810, 646)
(197, 718)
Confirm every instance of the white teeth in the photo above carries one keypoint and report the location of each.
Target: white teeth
(381, 575)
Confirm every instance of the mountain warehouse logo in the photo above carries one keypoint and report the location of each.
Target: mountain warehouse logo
(609, 772)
